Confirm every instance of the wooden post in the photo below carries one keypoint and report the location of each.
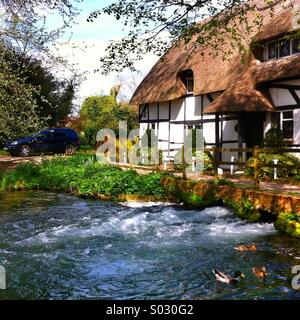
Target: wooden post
(256, 166)
(240, 141)
(215, 161)
(183, 164)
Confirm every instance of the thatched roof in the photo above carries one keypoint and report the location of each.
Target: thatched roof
(213, 74)
(281, 23)
(246, 93)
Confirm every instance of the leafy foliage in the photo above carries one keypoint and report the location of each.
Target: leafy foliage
(288, 223)
(18, 106)
(245, 210)
(274, 139)
(267, 159)
(82, 175)
(155, 25)
(30, 95)
(99, 112)
(54, 96)
(24, 24)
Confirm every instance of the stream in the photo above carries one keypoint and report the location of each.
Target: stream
(57, 246)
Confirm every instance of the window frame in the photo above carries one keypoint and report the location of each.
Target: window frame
(277, 48)
(188, 79)
(189, 82)
(282, 120)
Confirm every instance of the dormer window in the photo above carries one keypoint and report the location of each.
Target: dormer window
(296, 46)
(187, 77)
(281, 48)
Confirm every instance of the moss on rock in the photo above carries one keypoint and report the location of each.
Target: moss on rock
(288, 223)
(170, 184)
(193, 200)
(245, 209)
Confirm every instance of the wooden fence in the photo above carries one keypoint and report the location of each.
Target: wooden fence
(217, 153)
(257, 164)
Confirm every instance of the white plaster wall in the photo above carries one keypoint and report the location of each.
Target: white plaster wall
(193, 108)
(177, 110)
(153, 111)
(176, 133)
(206, 103)
(163, 131)
(297, 126)
(228, 130)
(143, 128)
(209, 132)
(164, 110)
(197, 110)
(281, 97)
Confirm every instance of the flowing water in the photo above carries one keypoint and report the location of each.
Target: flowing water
(56, 246)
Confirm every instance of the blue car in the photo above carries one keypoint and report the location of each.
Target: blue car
(56, 140)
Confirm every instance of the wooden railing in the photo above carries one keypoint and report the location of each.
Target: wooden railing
(257, 164)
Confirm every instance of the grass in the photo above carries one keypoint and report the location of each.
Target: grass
(81, 175)
(3, 153)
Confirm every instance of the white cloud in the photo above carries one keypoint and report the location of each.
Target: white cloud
(85, 54)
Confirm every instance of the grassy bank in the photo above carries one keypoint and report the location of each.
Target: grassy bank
(81, 175)
(3, 153)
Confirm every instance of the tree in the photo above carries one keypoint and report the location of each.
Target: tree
(25, 47)
(24, 28)
(99, 112)
(156, 25)
(54, 96)
(18, 107)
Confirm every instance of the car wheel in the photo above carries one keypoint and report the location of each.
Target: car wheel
(70, 149)
(24, 151)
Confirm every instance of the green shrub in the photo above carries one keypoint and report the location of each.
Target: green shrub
(81, 174)
(204, 161)
(170, 185)
(244, 209)
(267, 158)
(288, 223)
(193, 200)
(274, 139)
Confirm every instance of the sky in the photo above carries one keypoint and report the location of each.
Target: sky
(87, 44)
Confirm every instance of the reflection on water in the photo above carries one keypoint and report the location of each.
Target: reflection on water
(56, 246)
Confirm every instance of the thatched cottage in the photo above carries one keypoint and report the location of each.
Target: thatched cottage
(234, 101)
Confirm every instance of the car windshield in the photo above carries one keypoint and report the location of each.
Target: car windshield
(42, 134)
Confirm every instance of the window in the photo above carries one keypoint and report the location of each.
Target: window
(281, 48)
(287, 124)
(144, 112)
(190, 83)
(42, 134)
(272, 50)
(296, 45)
(187, 78)
(59, 134)
(284, 48)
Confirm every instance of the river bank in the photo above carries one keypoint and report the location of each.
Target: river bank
(83, 177)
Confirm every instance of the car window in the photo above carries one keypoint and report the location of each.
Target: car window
(43, 134)
(59, 134)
